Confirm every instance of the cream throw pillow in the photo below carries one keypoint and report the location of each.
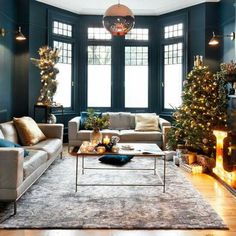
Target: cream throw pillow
(28, 131)
(147, 122)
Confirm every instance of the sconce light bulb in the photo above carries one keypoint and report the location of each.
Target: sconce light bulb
(232, 36)
(2, 32)
(19, 35)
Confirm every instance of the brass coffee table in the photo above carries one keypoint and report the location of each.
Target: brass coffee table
(140, 150)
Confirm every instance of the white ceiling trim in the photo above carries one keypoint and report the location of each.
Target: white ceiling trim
(139, 7)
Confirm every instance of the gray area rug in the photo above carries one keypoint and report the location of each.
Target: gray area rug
(52, 202)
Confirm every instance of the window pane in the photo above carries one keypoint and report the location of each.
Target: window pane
(173, 67)
(99, 76)
(136, 77)
(173, 31)
(137, 34)
(60, 28)
(98, 33)
(64, 77)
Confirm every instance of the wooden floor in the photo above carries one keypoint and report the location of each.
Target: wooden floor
(221, 200)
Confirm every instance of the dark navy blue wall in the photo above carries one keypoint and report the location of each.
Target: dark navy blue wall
(7, 21)
(227, 25)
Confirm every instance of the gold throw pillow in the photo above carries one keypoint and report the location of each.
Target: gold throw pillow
(28, 131)
(147, 122)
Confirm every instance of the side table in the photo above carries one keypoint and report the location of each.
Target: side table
(48, 110)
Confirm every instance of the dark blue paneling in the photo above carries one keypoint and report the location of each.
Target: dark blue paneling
(227, 25)
(7, 21)
(38, 37)
(20, 82)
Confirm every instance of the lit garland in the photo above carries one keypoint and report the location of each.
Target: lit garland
(46, 63)
(203, 108)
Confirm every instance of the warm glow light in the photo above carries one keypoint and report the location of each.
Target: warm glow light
(197, 169)
(106, 140)
(228, 177)
(214, 40)
(19, 35)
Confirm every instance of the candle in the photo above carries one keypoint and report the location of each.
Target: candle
(101, 149)
(106, 140)
(85, 143)
(115, 149)
(94, 142)
(90, 147)
(83, 148)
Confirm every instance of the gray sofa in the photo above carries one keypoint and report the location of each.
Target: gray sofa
(18, 173)
(123, 126)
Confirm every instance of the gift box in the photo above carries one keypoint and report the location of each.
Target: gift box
(189, 158)
(192, 168)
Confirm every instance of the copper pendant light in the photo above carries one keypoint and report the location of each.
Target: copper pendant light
(118, 19)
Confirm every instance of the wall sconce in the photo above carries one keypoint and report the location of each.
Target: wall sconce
(19, 36)
(215, 38)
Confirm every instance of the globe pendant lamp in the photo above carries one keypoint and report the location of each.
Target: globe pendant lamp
(118, 19)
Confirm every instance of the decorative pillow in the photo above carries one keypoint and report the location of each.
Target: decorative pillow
(7, 143)
(147, 122)
(28, 131)
(119, 120)
(84, 117)
(118, 160)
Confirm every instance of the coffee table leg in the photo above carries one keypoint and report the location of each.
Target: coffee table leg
(155, 165)
(76, 174)
(164, 175)
(82, 164)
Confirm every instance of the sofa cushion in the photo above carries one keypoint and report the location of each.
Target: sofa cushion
(53, 146)
(33, 161)
(85, 134)
(9, 131)
(28, 131)
(110, 132)
(119, 120)
(132, 136)
(7, 143)
(147, 122)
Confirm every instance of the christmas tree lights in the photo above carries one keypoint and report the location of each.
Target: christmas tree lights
(203, 109)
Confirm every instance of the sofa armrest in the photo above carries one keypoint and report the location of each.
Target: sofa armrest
(165, 131)
(11, 167)
(163, 123)
(73, 127)
(52, 130)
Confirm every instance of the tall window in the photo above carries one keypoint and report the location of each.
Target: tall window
(136, 69)
(173, 65)
(99, 69)
(64, 77)
(136, 77)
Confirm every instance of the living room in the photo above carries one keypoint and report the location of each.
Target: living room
(150, 70)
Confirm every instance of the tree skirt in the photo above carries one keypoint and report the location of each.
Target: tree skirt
(52, 202)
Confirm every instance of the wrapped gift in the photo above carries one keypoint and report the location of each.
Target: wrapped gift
(189, 158)
(192, 168)
(206, 161)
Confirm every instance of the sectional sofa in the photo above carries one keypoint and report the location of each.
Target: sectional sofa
(18, 173)
(122, 124)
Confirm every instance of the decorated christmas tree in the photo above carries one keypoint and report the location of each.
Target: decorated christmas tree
(204, 103)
